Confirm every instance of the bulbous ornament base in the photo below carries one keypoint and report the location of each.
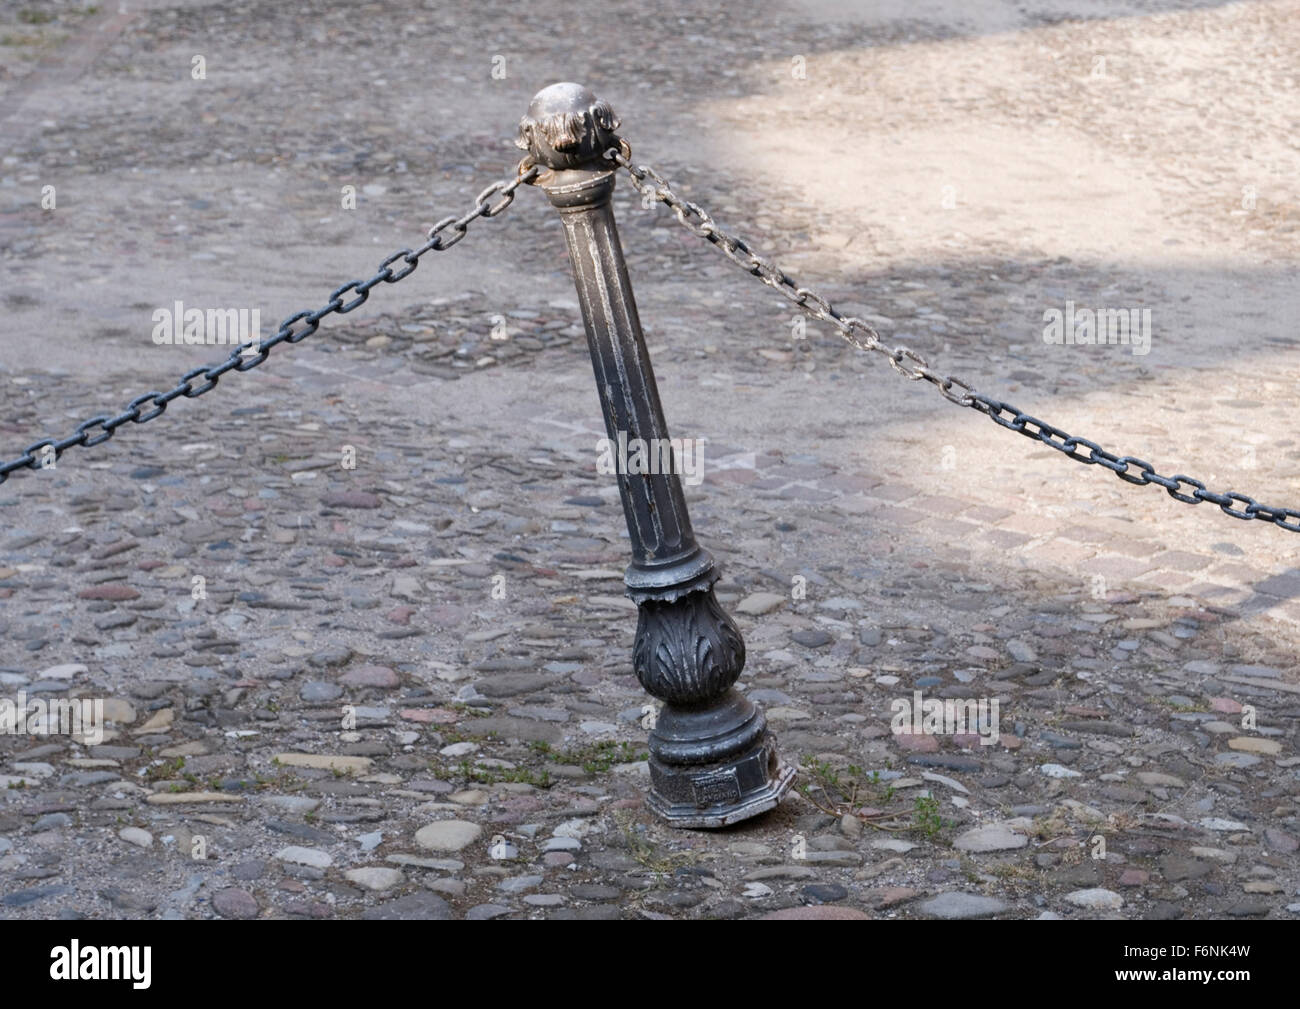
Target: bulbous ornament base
(712, 760)
(687, 649)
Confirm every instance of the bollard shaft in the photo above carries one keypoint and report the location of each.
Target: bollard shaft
(665, 555)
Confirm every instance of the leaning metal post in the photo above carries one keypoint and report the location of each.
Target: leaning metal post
(712, 760)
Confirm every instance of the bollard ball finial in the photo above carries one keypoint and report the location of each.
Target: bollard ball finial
(566, 127)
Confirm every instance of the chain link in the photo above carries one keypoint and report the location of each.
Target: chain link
(912, 365)
(250, 354)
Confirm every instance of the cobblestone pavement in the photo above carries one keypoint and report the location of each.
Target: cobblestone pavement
(405, 689)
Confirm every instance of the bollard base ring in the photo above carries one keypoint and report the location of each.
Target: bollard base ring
(718, 795)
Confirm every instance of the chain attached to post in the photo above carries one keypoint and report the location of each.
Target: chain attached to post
(249, 355)
(695, 219)
(912, 365)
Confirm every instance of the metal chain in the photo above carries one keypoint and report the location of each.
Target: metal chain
(912, 365)
(250, 354)
(855, 331)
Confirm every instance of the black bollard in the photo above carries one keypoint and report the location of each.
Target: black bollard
(712, 760)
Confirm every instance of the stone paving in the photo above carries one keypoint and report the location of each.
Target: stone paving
(403, 690)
